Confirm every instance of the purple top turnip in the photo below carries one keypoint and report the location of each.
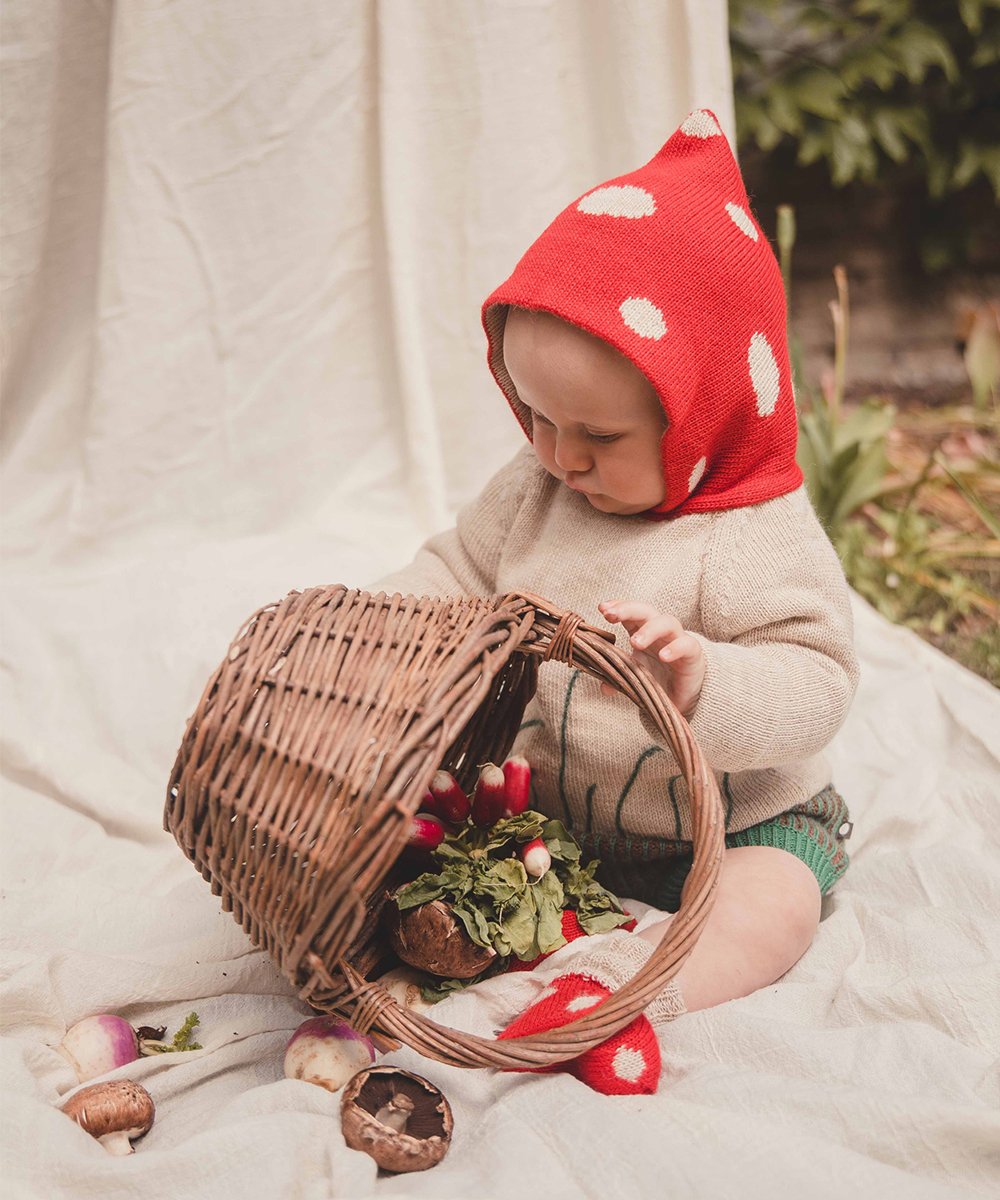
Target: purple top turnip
(328, 1052)
(99, 1044)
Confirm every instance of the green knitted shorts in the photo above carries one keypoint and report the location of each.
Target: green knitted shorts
(654, 870)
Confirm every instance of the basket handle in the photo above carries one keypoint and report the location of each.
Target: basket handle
(565, 636)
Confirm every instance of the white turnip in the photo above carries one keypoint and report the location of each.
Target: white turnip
(328, 1052)
(99, 1044)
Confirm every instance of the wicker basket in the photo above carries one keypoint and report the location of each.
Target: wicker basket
(314, 743)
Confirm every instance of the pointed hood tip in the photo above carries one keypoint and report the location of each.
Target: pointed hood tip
(667, 265)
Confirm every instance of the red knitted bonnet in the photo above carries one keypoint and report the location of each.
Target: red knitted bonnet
(668, 266)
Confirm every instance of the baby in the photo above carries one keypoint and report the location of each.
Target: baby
(640, 343)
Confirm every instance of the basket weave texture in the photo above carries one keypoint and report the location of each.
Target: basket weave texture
(313, 745)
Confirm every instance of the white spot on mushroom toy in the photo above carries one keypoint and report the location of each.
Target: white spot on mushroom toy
(113, 1112)
(328, 1052)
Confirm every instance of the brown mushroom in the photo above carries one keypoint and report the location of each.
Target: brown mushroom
(113, 1113)
(399, 1118)
(430, 938)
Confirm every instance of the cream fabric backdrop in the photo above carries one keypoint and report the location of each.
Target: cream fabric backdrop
(246, 242)
(244, 250)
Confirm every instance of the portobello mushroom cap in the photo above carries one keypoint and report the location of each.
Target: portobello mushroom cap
(430, 938)
(113, 1112)
(398, 1118)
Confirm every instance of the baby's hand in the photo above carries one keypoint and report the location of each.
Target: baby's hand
(674, 658)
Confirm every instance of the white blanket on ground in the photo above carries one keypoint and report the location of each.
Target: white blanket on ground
(244, 250)
(871, 1066)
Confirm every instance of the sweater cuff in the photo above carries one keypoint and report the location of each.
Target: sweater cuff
(612, 959)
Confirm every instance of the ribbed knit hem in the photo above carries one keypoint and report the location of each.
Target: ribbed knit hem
(816, 858)
(811, 831)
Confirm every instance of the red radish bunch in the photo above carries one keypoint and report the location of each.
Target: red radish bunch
(517, 785)
(499, 792)
(489, 798)
(426, 832)
(448, 800)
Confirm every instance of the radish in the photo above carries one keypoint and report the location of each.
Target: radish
(488, 800)
(450, 802)
(426, 832)
(328, 1052)
(517, 785)
(429, 805)
(536, 857)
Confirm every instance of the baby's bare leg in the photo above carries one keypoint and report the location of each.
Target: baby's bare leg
(767, 908)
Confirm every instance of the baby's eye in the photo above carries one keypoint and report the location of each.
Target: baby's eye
(605, 437)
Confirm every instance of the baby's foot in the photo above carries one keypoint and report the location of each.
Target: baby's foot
(626, 1064)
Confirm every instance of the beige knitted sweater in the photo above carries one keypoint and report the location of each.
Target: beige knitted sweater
(760, 586)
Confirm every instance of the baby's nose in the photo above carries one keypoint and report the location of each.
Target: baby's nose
(571, 455)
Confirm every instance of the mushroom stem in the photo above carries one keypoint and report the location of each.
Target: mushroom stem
(396, 1112)
(117, 1143)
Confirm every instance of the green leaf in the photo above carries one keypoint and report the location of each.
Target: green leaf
(845, 159)
(549, 901)
(972, 159)
(865, 482)
(868, 423)
(525, 827)
(435, 989)
(939, 171)
(918, 47)
(988, 517)
(971, 12)
(419, 891)
(785, 112)
(987, 51)
(449, 852)
(520, 926)
(558, 841)
(603, 922)
(889, 135)
(474, 921)
(502, 881)
(820, 91)
(870, 63)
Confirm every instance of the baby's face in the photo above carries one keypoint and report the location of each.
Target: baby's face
(597, 421)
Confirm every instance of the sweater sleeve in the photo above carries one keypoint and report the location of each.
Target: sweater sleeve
(781, 669)
(462, 560)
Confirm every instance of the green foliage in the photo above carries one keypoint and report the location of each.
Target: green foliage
(894, 93)
(893, 554)
(901, 569)
(844, 460)
(842, 453)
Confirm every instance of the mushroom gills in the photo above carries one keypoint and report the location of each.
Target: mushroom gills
(401, 1119)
